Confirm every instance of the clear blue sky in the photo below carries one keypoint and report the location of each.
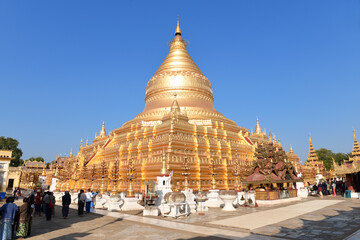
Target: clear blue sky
(65, 66)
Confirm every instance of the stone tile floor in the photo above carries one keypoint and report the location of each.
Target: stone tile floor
(334, 222)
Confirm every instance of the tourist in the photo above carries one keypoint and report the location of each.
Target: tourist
(66, 201)
(333, 185)
(37, 203)
(81, 203)
(52, 204)
(89, 198)
(15, 193)
(320, 190)
(7, 212)
(25, 214)
(32, 198)
(47, 207)
(93, 202)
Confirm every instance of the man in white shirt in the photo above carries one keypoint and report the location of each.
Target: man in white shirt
(89, 197)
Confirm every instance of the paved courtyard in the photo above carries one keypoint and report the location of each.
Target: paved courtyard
(331, 218)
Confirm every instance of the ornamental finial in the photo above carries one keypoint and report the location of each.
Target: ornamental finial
(291, 149)
(178, 30)
(310, 139)
(102, 132)
(354, 135)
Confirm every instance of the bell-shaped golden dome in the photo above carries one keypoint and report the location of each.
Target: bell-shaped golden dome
(179, 75)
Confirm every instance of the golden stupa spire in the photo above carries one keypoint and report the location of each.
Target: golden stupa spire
(312, 157)
(258, 130)
(356, 147)
(177, 30)
(163, 168)
(291, 149)
(95, 135)
(81, 143)
(102, 132)
(354, 135)
(71, 153)
(87, 142)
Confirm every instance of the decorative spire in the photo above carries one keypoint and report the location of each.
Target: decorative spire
(312, 157)
(81, 143)
(178, 30)
(102, 132)
(354, 135)
(291, 149)
(175, 108)
(95, 135)
(71, 153)
(87, 142)
(258, 130)
(356, 148)
(163, 168)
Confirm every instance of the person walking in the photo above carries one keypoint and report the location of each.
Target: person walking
(47, 207)
(7, 212)
(25, 214)
(15, 193)
(89, 197)
(333, 185)
(37, 203)
(81, 203)
(66, 201)
(52, 204)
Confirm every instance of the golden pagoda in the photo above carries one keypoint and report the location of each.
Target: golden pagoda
(179, 123)
(355, 154)
(312, 165)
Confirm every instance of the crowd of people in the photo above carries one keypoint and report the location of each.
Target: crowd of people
(17, 220)
(324, 188)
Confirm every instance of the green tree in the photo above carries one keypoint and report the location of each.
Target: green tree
(12, 144)
(327, 156)
(340, 157)
(37, 159)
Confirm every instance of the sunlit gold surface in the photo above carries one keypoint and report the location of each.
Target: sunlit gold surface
(179, 122)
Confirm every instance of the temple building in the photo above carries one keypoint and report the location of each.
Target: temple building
(180, 122)
(351, 169)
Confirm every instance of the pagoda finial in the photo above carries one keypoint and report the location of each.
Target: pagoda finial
(354, 135)
(178, 30)
(71, 153)
(102, 132)
(310, 139)
(81, 143)
(291, 149)
(258, 130)
(87, 142)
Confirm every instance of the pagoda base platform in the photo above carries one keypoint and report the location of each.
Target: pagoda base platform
(130, 204)
(114, 206)
(214, 200)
